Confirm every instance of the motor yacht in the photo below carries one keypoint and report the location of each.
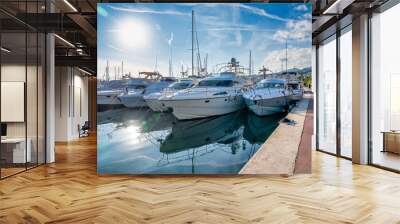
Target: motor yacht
(108, 91)
(108, 97)
(297, 88)
(133, 96)
(269, 96)
(153, 99)
(215, 95)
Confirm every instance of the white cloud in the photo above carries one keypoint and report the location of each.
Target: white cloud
(297, 58)
(301, 8)
(295, 30)
(260, 41)
(117, 48)
(251, 9)
(151, 11)
(260, 12)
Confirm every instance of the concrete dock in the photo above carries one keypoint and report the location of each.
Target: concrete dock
(278, 154)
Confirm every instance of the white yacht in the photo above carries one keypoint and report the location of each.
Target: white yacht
(153, 99)
(108, 91)
(109, 97)
(269, 96)
(212, 96)
(297, 89)
(133, 97)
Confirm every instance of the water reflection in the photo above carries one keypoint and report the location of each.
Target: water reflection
(140, 141)
(196, 133)
(258, 129)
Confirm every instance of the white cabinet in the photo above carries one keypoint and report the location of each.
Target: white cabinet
(19, 154)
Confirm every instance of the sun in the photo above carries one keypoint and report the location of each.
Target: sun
(133, 33)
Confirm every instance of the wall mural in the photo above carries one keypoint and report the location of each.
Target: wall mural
(202, 88)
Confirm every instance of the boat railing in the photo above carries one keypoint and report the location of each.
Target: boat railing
(210, 91)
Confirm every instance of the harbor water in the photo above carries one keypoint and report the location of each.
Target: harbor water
(139, 141)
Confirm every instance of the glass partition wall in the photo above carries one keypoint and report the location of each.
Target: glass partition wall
(345, 61)
(385, 89)
(22, 101)
(334, 94)
(326, 91)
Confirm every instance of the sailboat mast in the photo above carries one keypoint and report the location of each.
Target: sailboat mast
(250, 63)
(155, 67)
(107, 72)
(286, 58)
(170, 62)
(192, 42)
(199, 66)
(205, 64)
(115, 72)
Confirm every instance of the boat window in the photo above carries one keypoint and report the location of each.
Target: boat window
(179, 85)
(220, 93)
(137, 87)
(294, 86)
(221, 83)
(270, 85)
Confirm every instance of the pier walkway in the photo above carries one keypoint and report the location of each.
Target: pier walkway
(279, 153)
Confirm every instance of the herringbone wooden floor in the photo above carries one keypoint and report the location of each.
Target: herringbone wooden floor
(70, 191)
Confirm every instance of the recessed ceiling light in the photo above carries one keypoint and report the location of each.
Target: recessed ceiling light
(5, 50)
(64, 40)
(84, 71)
(70, 5)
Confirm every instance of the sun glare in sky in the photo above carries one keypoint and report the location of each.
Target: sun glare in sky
(133, 33)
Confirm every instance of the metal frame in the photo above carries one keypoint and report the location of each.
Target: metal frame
(338, 95)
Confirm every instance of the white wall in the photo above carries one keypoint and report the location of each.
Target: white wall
(69, 112)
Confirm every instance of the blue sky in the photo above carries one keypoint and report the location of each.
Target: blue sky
(138, 33)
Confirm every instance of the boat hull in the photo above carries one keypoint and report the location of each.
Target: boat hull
(264, 107)
(296, 97)
(111, 99)
(155, 105)
(132, 101)
(205, 107)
